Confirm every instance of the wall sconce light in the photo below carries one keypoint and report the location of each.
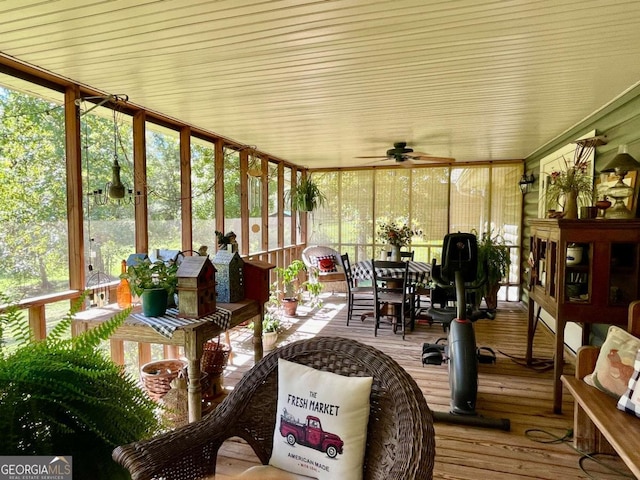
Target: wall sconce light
(525, 182)
(621, 164)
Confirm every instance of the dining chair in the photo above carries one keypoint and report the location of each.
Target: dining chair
(407, 256)
(416, 291)
(392, 294)
(359, 298)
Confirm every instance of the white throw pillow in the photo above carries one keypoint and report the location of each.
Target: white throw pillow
(615, 361)
(321, 423)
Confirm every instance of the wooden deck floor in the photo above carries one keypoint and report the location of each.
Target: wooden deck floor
(506, 390)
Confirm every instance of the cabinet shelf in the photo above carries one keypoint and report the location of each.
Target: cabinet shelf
(597, 289)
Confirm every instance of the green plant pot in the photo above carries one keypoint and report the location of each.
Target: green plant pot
(154, 302)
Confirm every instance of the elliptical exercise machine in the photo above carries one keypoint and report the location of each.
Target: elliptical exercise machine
(459, 271)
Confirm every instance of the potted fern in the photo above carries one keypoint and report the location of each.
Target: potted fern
(306, 196)
(64, 396)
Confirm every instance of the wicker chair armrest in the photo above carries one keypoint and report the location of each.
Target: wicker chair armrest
(187, 452)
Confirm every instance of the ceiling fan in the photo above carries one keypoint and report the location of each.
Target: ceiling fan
(401, 153)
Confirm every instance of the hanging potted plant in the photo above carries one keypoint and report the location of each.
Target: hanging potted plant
(154, 283)
(306, 196)
(493, 254)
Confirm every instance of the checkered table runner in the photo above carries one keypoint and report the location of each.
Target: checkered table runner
(418, 271)
(169, 322)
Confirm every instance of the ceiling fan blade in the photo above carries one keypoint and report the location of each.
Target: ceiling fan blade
(431, 158)
(374, 156)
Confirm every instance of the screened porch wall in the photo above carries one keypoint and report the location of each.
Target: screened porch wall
(439, 200)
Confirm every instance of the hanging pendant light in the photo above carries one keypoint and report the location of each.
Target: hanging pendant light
(116, 189)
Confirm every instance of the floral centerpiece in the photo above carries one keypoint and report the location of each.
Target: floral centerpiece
(572, 183)
(397, 233)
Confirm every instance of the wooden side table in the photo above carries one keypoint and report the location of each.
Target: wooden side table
(192, 337)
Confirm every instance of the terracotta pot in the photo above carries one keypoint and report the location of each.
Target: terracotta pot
(290, 305)
(491, 297)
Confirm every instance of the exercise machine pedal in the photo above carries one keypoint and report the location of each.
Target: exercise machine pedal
(486, 355)
(433, 354)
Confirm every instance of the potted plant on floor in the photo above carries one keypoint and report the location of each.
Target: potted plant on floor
(154, 282)
(288, 288)
(494, 262)
(270, 328)
(64, 396)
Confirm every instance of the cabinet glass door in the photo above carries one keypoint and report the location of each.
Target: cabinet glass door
(623, 280)
(577, 278)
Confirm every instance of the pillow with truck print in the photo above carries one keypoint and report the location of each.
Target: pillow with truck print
(321, 423)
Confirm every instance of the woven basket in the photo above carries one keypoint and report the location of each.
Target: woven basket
(156, 376)
(214, 357)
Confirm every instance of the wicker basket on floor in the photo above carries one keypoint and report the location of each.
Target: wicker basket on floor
(156, 376)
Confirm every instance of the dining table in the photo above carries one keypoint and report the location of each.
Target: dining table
(419, 272)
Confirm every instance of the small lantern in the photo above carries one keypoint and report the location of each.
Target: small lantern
(196, 287)
(229, 269)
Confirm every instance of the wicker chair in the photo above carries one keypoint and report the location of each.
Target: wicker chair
(400, 438)
(336, 279)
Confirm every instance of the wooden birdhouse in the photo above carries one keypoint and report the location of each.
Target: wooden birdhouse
(229, 271)
(256, 280)
(196, 287)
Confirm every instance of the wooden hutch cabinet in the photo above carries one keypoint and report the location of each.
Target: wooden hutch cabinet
(583, 271)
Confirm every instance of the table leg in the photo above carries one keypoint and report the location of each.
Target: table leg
(530, 331)
(558, 366)
(194, 390)
(258, 350)
(117, 351)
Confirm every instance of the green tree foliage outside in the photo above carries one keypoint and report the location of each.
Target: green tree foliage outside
(33, 238)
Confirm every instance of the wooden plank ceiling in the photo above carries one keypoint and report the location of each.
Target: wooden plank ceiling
(321, 82)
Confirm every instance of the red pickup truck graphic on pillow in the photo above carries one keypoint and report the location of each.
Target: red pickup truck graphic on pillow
(310, 435)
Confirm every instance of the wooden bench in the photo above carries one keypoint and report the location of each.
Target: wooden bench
(599, 427)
